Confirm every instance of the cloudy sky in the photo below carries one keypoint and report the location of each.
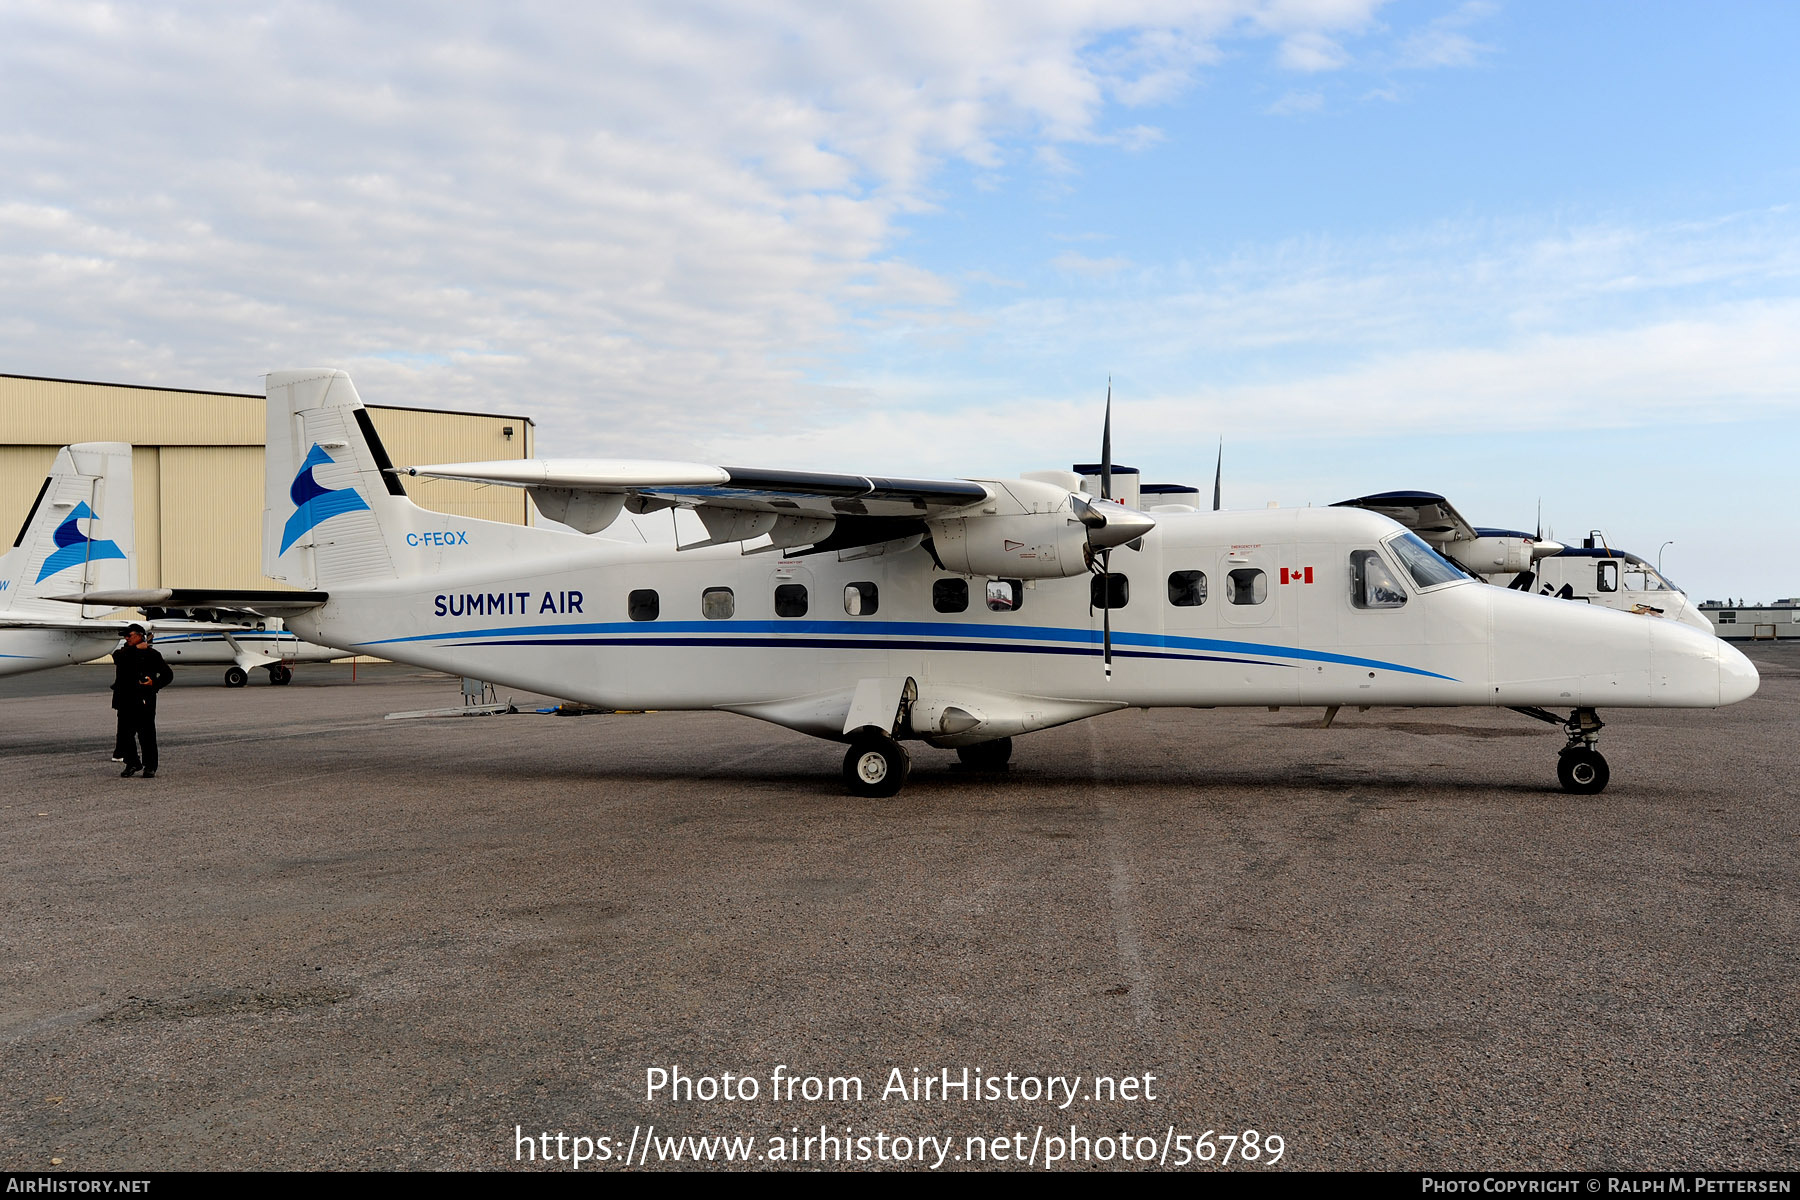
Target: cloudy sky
(1510, 252)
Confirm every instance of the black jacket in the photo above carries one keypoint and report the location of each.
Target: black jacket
(131, 668)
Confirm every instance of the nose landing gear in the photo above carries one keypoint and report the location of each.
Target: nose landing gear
(1580, 768)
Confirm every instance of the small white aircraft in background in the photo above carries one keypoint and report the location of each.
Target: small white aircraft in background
(1592, 573)
(957, 612)
(78, 534)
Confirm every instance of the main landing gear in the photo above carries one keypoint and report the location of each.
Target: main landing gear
(986, 756)
(875, 765)
(1579, 768)
(279, 675)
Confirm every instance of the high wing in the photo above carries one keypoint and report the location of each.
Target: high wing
(1425, 513)
(823, 510)
(223, 603)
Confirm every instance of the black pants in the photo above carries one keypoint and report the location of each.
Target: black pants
(137, 727)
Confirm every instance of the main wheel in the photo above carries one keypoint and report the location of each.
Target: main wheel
(875, 765)
(235, 677)
(1582, 772)
(986, 756)
(279, 675)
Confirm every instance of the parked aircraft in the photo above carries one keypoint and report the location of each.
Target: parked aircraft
(78, 534)
(1591, 573)
(957, 612)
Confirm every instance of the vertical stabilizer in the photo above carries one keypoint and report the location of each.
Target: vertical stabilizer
(330, 489)
(77, 536)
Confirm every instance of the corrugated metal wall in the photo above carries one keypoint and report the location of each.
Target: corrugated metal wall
(197, 467)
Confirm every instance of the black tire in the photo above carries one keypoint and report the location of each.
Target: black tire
(987, 756)
(280, 675)
(1582, 772)
(235, 677)
(876, 766)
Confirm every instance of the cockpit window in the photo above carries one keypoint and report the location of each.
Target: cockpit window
(1424, 564)
(1372, 583)
(1606, 577)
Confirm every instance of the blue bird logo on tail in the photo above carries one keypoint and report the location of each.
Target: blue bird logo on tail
(74, 547)
(314, 502)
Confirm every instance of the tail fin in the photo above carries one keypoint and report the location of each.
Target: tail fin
(335, 513)
(78, 536)
(331, 496)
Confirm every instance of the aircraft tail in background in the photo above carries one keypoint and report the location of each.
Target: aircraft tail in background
(77, 536)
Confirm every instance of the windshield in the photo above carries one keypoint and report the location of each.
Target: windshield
(1423, 563)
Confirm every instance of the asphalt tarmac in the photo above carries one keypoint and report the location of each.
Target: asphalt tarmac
(320, 939)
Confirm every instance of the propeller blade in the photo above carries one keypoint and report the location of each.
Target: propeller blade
(1106, 612)
(1218, 474)
(1106, 448)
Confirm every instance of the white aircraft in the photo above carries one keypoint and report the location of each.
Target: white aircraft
(1594, 574)
(957, 612)
(78, 534)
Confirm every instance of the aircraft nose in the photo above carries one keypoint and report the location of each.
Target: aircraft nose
(1738, 679)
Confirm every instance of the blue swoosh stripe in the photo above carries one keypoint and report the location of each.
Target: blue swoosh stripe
(920, 629)
(861, 644)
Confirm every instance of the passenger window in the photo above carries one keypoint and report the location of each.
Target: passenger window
(790, 600)
(1187, 589)
(1246, 585)
(1109, 591)
(1606, 579)
(1005, 595)
(950, 595)
(861, 599)
(643, 605)
(1372, 584)
(717, 604)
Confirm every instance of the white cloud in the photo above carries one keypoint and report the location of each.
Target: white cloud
(1312, 52)
(1294, 103)
(605, 216)
(1463, 329)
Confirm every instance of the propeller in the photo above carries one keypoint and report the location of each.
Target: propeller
(1218, 474)
(1106, 554)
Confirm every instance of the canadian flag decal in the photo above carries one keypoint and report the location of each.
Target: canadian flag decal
(1296, 575)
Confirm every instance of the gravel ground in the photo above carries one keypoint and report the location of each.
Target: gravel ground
(324, 940)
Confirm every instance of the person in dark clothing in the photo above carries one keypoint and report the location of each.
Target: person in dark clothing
(139, 672)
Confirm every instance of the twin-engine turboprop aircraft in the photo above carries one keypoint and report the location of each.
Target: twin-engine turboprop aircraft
(957, 612)
(78, 535)
(1593, 574)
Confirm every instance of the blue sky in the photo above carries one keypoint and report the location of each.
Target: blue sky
(1509, 252)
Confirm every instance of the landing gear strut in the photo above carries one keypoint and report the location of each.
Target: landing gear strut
(1579, 768)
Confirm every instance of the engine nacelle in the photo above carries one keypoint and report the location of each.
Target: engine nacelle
(1042, 545)
(1491, 555)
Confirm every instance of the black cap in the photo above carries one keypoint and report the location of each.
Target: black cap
(134, 627)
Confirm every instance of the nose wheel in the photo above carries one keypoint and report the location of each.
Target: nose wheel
(1579, 768)
(1581, 771)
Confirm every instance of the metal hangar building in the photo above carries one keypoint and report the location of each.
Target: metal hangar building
(197, 467)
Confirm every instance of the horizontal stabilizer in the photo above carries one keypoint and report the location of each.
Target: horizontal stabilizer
(242, 601)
